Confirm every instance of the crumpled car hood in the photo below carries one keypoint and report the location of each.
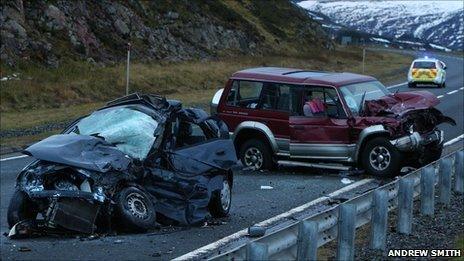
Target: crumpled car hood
(400, 103)
(80, 151)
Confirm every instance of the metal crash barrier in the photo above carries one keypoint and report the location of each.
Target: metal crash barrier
(301, 241)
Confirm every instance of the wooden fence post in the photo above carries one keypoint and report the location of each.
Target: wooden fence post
(379, 219)
(346, 231)
(405, 205)
(308, 235)
(427, 182)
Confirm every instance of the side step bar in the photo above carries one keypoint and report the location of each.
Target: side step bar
(313, 165)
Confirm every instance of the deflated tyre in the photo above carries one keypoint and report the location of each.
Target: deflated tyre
(135, 210)
(21, 208)
(380, 158)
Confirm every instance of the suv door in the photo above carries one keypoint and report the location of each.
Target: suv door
(318, 125)
(258, 101)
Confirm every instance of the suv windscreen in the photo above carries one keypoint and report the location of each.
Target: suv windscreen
(353, 94)
(424, 65)
(130, 130)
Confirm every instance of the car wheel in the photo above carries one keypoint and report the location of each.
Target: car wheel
(411, 85)
(380, 158)
(221, 200)
(134, 210)
(443, 85)
(21, 208)
(256, 154)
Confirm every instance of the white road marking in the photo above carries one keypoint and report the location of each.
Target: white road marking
(396, 85)
(198, 252)
(462, 88)
(15, 157)
(440, 96)
(455, 91)
(452, 141)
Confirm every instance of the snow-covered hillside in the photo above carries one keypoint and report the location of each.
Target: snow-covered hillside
(439, 22)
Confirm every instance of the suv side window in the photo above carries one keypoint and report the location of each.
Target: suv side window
(275, 96)
(244, 94)
(317, 102)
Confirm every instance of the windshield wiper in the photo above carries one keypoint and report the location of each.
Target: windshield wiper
(361, 107)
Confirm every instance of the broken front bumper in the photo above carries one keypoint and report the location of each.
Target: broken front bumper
(416, 140)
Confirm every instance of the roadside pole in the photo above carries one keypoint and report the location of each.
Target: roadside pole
(128, 67)
(364, 60)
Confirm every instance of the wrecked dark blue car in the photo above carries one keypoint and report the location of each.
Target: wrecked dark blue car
(139, 161)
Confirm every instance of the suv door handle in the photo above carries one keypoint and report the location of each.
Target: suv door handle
(298, 127)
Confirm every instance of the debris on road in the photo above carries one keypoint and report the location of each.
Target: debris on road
(346, 181)
(24, 249)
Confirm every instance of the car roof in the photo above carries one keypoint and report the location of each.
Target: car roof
(426, 60)
(300, 76)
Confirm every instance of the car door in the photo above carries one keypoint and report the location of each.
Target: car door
(319, 130)
(203, 150)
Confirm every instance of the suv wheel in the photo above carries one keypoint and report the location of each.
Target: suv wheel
(380, 158)
(256, 154)
(411, 85)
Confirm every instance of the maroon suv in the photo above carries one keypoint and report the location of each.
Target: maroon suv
(328, 120)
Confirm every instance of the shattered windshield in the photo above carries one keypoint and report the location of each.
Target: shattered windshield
(130, 130)
(353, 94)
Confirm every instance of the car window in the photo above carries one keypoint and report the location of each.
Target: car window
(244, 94)
(188, 134)
(424, 65)
(275, 96)
(316, 102)
(131, 131)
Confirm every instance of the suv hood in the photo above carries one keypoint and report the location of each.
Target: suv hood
(401, 103)
(80, 151)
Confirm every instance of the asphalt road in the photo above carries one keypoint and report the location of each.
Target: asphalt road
(291, 188)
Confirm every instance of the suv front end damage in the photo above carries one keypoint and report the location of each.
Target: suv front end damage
(412, 124)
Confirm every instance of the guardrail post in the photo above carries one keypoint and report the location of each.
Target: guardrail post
(427, 182)
(459, 172)
(379, 219)
(445, 181)
(256, 251)
(405, 205)
(308, 235)
(346, 231)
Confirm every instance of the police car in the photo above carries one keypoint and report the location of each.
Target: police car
(427, 71)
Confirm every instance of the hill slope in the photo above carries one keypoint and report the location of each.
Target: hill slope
(50, 31)
(438, 22)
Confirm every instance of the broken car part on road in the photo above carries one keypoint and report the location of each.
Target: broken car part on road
(139, 161)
